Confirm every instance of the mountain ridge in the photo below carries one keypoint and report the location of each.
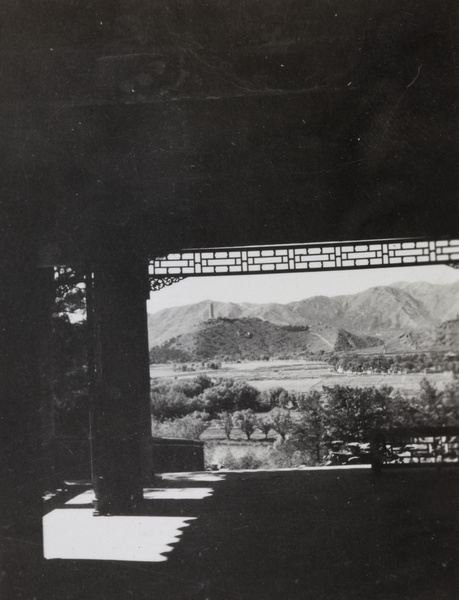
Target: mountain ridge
(395, 309)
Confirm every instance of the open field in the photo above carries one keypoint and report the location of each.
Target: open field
(303, 376)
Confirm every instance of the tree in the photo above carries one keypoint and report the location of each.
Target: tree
(193, 387)
(230, 395)
(270, 398)
(308, 430)
(281, 421)
(404, 412)
(429, 395)
(439, 407)
(264, 425)
(192, 426)
(351, 414)
(450, 401)
(167, 403)
(246, 420)
(430, 407)
(286, 400)
(226, 420)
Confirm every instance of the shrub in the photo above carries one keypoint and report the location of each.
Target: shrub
(286, 455)
(213, 365)
(190, 427)
(248, 461)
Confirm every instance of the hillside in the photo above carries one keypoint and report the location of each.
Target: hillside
(442, 300)
(248, 338)
(395, 311)
(447, 335)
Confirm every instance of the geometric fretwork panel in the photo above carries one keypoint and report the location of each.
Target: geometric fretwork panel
(307, 257)
(416, 446)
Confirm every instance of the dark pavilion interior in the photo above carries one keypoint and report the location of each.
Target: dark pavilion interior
(130, 129)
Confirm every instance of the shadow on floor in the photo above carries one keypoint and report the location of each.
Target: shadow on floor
(342, 534)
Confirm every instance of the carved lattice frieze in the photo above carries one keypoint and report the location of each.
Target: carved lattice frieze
(158, 283)
(301, 258)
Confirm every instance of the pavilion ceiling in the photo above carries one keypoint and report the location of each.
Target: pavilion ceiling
(196, 123)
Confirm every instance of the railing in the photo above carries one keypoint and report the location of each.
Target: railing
(415, 446)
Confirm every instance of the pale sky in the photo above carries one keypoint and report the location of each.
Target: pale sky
(290, 287)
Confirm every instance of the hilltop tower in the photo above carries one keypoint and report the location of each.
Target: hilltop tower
(211, 310)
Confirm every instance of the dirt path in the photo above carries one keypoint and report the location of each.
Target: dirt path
(323, 339)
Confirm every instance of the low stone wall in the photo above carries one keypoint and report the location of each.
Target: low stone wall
(173, 454)
(72, 457)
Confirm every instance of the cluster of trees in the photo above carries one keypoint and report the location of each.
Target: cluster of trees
(305, 423)
(351, 414)
(230, 402)
(214, 396)
(167, 353)
(278, 420)
(295, 327)
(410, 363)
(202, 394)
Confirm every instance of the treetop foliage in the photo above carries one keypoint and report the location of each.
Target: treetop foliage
(246, 420)
(230, 395)
(306, 423)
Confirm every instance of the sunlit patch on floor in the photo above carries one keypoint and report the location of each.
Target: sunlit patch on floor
(192, 476)
(86, 497)
(196, 493)
(75, 533)
(177, 493)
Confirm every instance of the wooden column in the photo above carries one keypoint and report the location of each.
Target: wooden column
(45, 302)
(21, 464)
(121, 411)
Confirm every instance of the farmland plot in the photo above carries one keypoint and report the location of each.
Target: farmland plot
(304, 376)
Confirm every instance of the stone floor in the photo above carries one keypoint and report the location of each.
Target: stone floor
(317, 534)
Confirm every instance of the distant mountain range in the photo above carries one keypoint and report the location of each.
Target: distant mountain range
(250, 338)
(402, 315)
